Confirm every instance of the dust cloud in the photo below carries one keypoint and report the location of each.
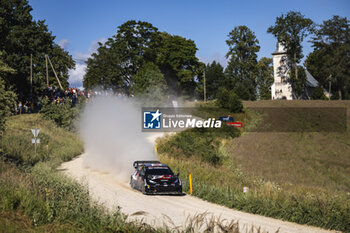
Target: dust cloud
(110, 129)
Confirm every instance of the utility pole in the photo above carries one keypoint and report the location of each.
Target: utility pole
(47, 71)
(204, 89)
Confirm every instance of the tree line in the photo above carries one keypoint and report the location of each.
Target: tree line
(140, 60)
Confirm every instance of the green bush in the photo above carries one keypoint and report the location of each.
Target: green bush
(199, 142)
(63, 114)
(229, 100)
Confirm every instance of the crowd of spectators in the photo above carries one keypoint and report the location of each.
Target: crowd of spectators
(55, 95)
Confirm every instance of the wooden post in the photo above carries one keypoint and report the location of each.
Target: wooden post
(55, 73)
(47, 71)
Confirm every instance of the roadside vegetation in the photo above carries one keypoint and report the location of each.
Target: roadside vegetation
(35, 196)
(301, 176)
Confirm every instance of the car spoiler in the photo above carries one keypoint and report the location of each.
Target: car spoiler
(136, 164)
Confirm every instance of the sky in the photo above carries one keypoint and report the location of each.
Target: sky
(80, 24)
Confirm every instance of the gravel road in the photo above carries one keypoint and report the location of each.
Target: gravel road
(175, 211)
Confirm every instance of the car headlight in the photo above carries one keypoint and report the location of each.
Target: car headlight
(151, 181)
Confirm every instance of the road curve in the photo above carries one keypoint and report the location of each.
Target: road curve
(175, 211)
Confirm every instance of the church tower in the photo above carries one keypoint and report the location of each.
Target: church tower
(281, 87)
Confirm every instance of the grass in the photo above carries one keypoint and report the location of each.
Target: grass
(56, 144)
(35, 197)
(302, 177)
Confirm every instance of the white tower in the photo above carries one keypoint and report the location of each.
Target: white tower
(281, 88)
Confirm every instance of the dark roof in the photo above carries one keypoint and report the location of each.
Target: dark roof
(311, 81)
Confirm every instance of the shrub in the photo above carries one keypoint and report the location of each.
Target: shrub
(63, 114)
(229, 100)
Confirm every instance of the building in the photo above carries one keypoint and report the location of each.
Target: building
(281, 87)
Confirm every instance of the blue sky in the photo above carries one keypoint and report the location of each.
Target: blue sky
(78, 25)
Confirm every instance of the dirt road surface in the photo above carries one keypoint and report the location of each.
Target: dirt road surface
(174, 211)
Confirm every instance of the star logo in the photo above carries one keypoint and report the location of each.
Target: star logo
(156, 115)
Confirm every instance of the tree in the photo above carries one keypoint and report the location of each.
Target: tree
(21, 37)
(7, 98)
(176, 58)
(120, 58)
(241, 68)
(298, 85)
(214, 79)
(136, 43)
(150, 84)
(265, 78)
(330, 60)
(104, 70)
(290, 30)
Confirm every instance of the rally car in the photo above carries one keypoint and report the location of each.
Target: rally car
(153, 177)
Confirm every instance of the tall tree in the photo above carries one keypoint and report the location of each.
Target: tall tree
(119, 59)
(330, 60)
(21, 37)
(264, 78)
(176, 58)
(290, 30)
(136, 43)
(242, 65)
(214, 79)
(104, 70)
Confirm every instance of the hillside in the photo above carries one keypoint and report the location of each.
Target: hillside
(295, 176)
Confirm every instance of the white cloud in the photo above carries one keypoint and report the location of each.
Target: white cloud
(76, 76)
(63, 43)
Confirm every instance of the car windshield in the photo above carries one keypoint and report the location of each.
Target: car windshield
(159, 171)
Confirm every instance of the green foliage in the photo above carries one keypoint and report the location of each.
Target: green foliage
(290, 30)
(7, 98)
(229, 100)
(265, 78)
(21, 36)
(117, 62)
(63, 114)
(330, 59)
(298, 84)
(318, 94)
(150, 85)
(214, 79)
(176, 58)
(242, 65)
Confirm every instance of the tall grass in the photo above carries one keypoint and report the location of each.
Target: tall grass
(56, 144)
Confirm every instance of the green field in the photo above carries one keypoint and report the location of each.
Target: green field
(296, 176)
